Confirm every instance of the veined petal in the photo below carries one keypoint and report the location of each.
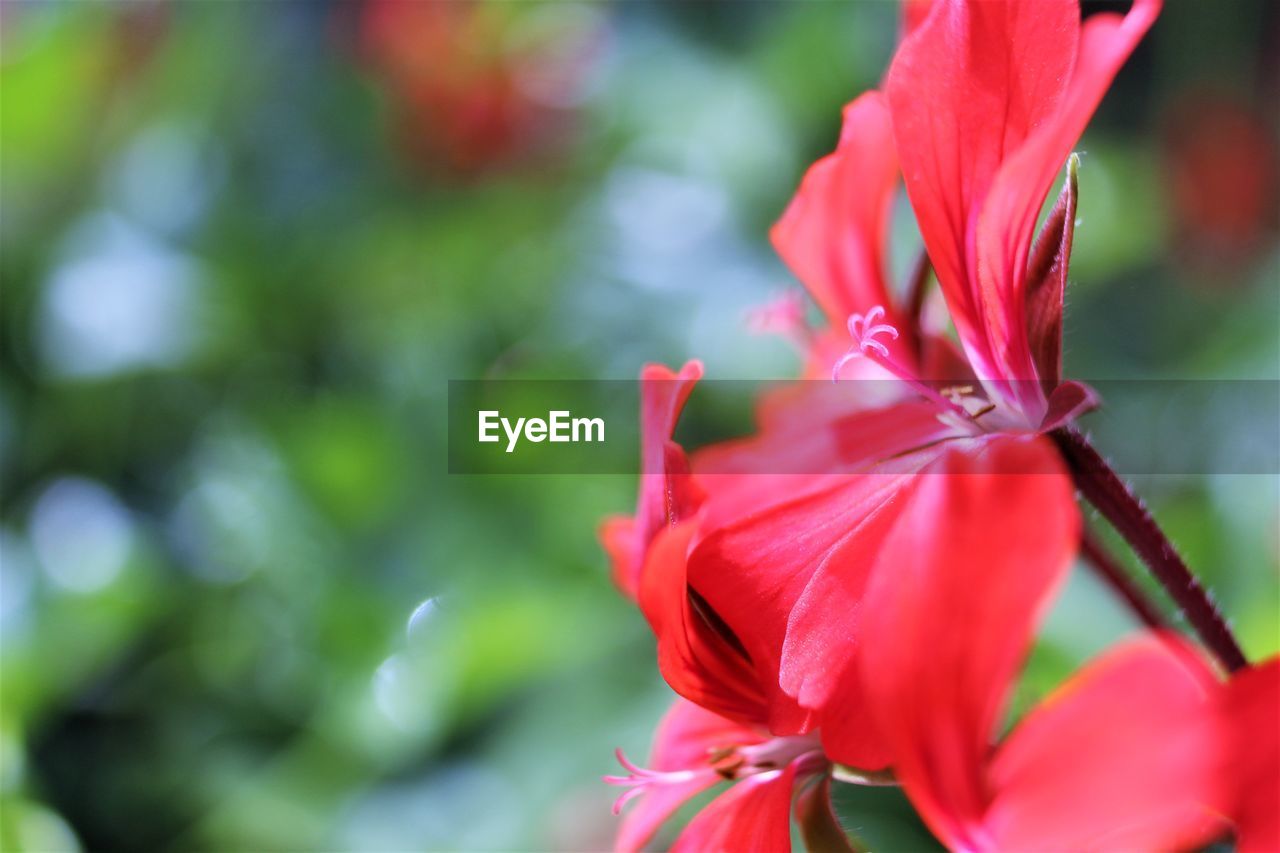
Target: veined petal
(824, 631)
(777, 549)
(1017, 192)
(959, 585)
(753, 564)
(833, 233)
(753, 816)
(966, 88)
(1121, 757)
(825, 635)
(685, 740)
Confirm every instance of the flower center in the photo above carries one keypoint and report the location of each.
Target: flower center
(867, 330)
(776, 753)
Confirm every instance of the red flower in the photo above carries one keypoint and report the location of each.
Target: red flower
(859, 582)
(907, 634)
(764, 555)
(1223, 180)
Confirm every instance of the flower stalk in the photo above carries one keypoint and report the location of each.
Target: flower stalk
(1103, 487)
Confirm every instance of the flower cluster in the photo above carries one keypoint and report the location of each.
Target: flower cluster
(862, 613)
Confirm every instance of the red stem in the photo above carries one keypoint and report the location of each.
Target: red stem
(1103, 488)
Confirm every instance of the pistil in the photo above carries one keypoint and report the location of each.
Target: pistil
(728, 762)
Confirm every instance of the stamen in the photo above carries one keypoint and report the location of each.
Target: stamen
(963, 396)
(724, 762)
(865, 329)
(642, 779)
(626, 797)
(625, 762)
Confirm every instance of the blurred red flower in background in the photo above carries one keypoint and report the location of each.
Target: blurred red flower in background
(1222, 162)
(478, 85)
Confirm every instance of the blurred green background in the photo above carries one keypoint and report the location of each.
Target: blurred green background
(245, 245)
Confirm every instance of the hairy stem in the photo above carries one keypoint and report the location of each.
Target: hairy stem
(1103, 488)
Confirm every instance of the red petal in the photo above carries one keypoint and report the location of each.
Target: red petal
(652, 809)
(825, 633)
(1068, 401)
(754, 816)
(819, 427)
(833, 233)
(1119, 758)
(1009, 215)
(684, 740)
(693, 656)
(763, 547)
(617, 534)
(665, 492)
(1252, 717)
(987, 100)
(767, 534)
(960, 583)
(914, 13)
(965, 89)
